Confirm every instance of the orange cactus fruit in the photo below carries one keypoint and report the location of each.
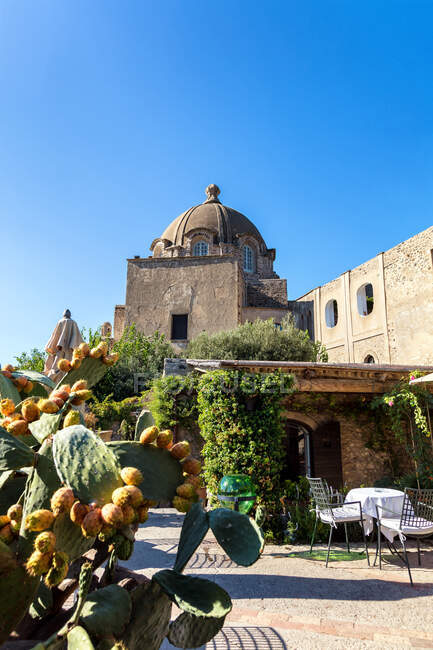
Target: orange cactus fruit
(75, 363)
(58, 401)
(81, 396)
(30, 411)
(47, 406)
(149, 435)
(142, 514)
(81, 384)
(64, 365)
(136, 498)
(84, 348)
(103, 346)
(38, 563)
(45, 542)
(129, 515)
(78, 512)
(39, 520)
(60, 393)
(180, 450)
(18, 427)
(6, 534)
(186, 491)
(95, 353)
(8, 368)
(4, 520)
(131, 476)
(112, 514)
(164, 438)
(28, 387)
(7, 407)
(15, 526)
(92, 523)
(191, 466)
(15, 512)
(110, 359)
(120, 496)
(195, 481)
(77, 353)
(62, 500)
(21, 382)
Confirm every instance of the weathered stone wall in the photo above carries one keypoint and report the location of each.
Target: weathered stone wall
(361, 466)
(266, 293)
(119, 321)
(251, 314)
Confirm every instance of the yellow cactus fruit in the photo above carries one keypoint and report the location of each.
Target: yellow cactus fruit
(6, 534)
(95, 353)
(110, 359)
(30, 411)
(149, 435)
(75, 363)
(181, 505)
(120, 496)
(81, 384)
(47, 406)
(112, 514)
(84, 349)
(164, 438)
(15, 512)
(131, 476)
(7, 407)
(186, 491)
(38, 563)
(92, 523)
(64, 365)
(135, 496)
(18, 427)
(142, 514)
(81, 396)
(103, 346)
(4, 520)
(78, 512)
(57, 401)
(28, 387)
(180, 450)
(66, 388)
(45, 542)
(62, 500)
(129, 515)
(191, 466)
(58, 570)
(39, 520)
(15, 526)
(77, 353)
(73, 417)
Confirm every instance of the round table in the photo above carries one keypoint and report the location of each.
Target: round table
(371, 497)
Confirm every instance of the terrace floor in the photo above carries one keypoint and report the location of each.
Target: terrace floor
(285, 601)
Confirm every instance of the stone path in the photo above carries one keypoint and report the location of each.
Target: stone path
(283, 602)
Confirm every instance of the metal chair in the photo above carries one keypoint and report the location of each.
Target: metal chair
(415, 520)
(334, 514)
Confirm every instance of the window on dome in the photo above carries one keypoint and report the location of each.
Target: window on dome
(200, 248)
(248, 259)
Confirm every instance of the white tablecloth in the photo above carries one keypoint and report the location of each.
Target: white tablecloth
(390, 499)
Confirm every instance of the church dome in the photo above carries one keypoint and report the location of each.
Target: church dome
(227, 224)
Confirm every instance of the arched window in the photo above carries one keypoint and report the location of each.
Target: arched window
(369, 359)
(331, 313)
(200, 248)
(365, 299)
(248, 259)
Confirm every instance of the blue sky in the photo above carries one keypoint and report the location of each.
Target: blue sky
(314, 118)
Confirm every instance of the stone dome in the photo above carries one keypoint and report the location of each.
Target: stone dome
(227, 224)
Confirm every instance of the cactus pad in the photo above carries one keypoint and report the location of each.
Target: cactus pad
(69, 537)
(42, 602)
(12, 486)
(151, 610)
(238, 534)
(189, 631)
(162, 473)
(106, 611)
(92, 370)
(194, 595)
(85, 464)
(35, 377)
(144, 420)
(194, 529)
(17, 590)
(48, 424)
(8, 390)
(78, 639)
(13, 453)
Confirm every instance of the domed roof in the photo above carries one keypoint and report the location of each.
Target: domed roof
(211, 215)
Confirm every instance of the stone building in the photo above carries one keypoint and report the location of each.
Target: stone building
(381, 311)
(209, 271)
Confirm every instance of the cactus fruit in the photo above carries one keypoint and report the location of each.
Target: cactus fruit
(110, 359)
(181, 505)
(193, 480)
(186, 491)
(164, 438)
(47, 406)
(78, 512)
(92, 523)
(131, 476)
(60, 393)
(6, 534)
(122, 546)
(58, 401)
(135, 495)
(75, 363)
(21, 382)
(120, 496)
(64, 365)
(15, 526)
(30, 411)
(81, 396)
(71, 418)
(180, 450)
(191, 466)
(8, 368)
(28, 387)
(103, 346)
(129, 515)
(81, 384)
(84, 349)
(15, 512)
(39, 520)
(149, 435)
(106, 533)
(4, 520)
(45, 542)
(142, 514)
(58, 570)
(18, 427)
(95, 353)
(112, 514)
(62, 500)
(7, 407)
(38, 563)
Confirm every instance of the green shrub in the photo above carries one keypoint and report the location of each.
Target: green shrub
(108, 410)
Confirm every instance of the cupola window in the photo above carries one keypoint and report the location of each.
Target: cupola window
(248, 259)
(200, 248)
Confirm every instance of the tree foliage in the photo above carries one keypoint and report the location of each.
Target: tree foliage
(33, 360)
(261, 340)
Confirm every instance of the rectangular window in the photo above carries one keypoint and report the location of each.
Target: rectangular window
(179, 327)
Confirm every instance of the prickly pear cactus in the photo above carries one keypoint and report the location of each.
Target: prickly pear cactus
(144, 420)
(189, 631)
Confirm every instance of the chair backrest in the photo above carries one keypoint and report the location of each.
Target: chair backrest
(321, 495)
(417, 510)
